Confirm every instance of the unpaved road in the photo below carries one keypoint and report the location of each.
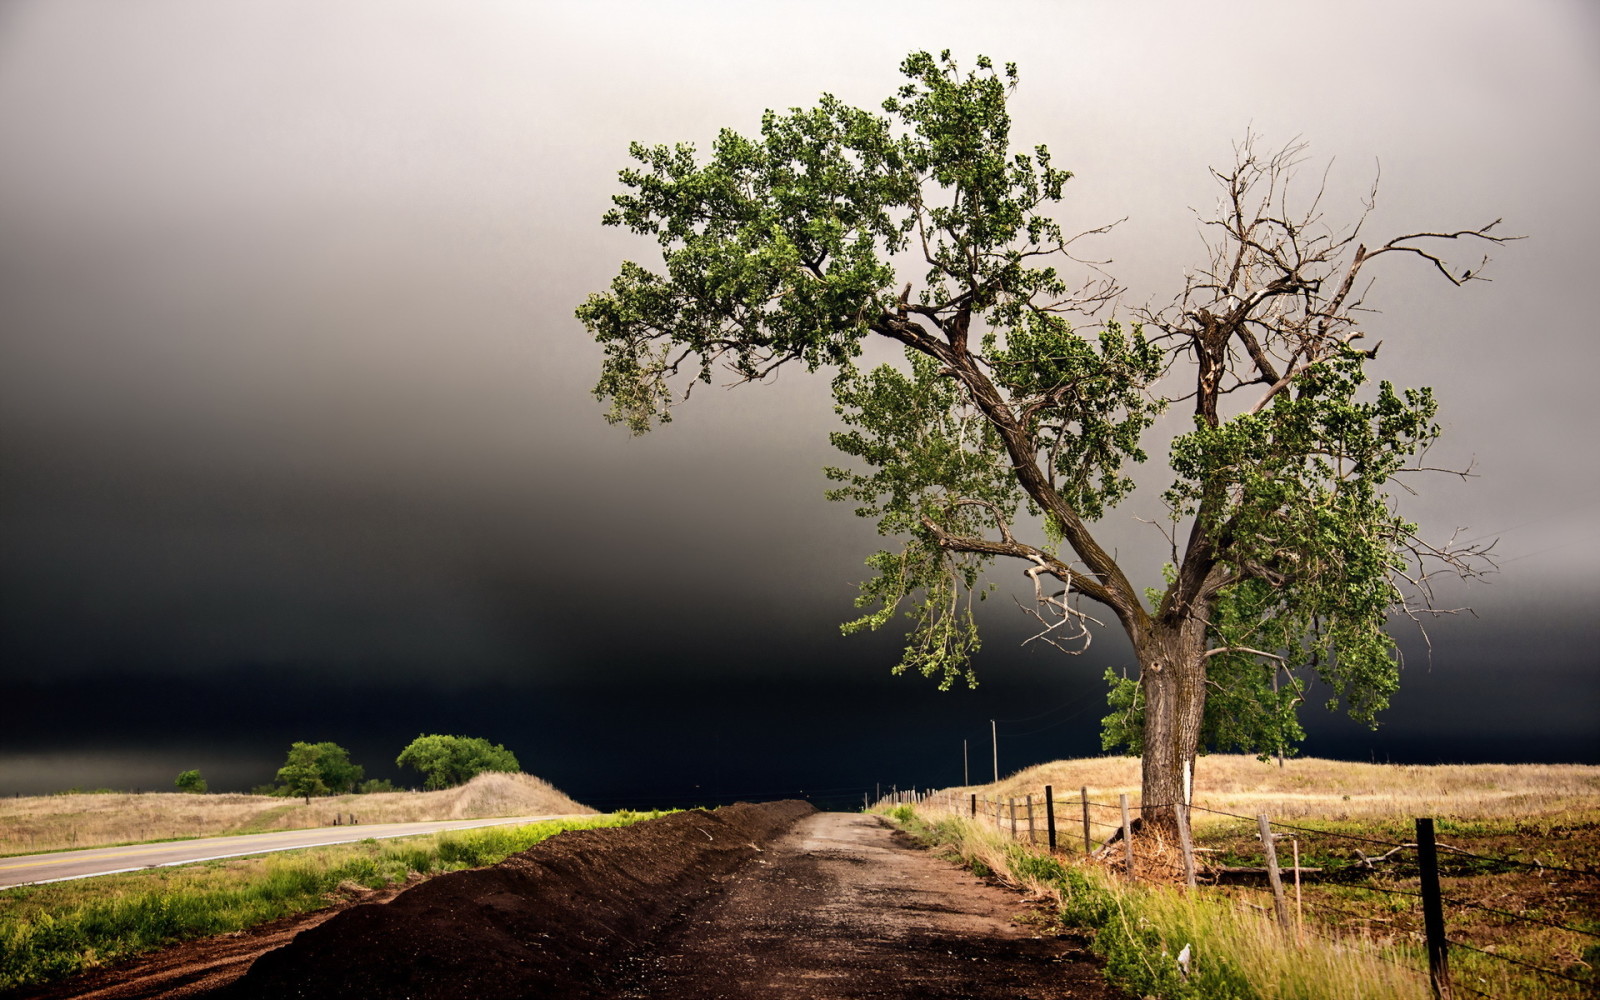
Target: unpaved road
(30, 869)
(768, 903)
(842, 906)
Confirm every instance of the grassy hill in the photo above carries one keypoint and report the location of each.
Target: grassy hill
(55, 822)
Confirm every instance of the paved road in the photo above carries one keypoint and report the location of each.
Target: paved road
(64, 865)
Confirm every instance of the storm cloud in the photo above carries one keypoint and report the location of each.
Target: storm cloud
(295, 421)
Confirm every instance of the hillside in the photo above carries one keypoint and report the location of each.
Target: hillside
(1331, 789)
(54, 822)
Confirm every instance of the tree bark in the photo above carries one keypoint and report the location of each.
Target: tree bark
(1172, 668)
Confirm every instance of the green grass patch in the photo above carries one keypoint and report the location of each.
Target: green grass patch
(51, 931)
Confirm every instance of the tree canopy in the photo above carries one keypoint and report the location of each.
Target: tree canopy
(301, 773)
(318, 769)
(445, 761)
(1020, 410)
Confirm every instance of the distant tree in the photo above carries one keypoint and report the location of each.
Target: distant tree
(452, 760)
(332, 763)
(372, 785)
(1009, 431)
(338, 773)
(301, 774)
(190, 781)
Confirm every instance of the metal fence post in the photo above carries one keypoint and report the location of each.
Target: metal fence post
(1050, 815)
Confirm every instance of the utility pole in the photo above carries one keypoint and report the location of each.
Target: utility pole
(966, 776)
(994, 741)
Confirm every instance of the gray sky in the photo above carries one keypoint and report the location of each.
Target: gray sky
(289, 375)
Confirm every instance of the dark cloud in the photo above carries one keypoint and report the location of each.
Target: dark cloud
(295, 429)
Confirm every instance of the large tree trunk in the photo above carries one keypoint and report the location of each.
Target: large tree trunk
(1172, 669)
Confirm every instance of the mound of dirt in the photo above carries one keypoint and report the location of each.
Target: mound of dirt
(554, 921)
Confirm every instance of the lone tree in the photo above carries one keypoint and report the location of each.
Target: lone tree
(445, 761)
(191, 782)
(331, 764)
(301, 773)
(924, 227)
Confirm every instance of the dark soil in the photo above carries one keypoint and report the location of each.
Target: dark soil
(549, 922)
(768, 902)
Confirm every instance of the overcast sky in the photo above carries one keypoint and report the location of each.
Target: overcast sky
(295, 422)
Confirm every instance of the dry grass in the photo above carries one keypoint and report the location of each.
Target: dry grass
(1336, 790)
(1532, 904)
(56, 822)
(1140, 929)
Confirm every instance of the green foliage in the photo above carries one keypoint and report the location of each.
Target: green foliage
(928, 450)
(190, 781)
(1306, 528)
(445, 761)
(372, 785)
(301, 773)
(316, 769)
(338, 773)
(1093, 406)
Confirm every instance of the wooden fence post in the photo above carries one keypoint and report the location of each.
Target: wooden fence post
(1088, 844)
(1011, 805)
(1050, 815)
(974, 805)
(1433, 910)
(1030, 819)
(1127, 833)
(1278, 902)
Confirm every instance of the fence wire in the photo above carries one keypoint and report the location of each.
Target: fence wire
(1517, 961)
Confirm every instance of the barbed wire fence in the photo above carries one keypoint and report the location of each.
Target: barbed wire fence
(1371, 912)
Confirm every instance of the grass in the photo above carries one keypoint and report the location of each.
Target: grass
(41, 823)
(1357, 927)
(48, 932)
(1141, 930)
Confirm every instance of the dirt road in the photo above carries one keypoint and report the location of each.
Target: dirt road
(842, 906)
(765, 902)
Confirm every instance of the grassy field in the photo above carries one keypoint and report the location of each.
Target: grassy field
(48, 932)
(59, 822)
(1333, 790)
(1518, 842)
